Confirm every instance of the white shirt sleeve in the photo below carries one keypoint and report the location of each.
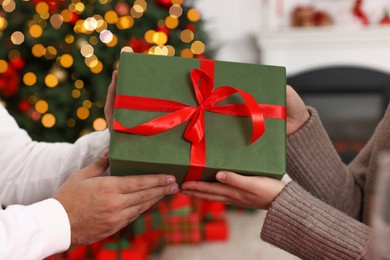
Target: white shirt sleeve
(33, 232)
(31, 172)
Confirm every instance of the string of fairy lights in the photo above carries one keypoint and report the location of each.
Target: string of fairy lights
(98, 28)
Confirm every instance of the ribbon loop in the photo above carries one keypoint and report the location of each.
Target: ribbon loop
(202, 83)
(207, 97)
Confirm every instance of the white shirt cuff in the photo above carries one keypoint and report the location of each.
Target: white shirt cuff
(54, 225)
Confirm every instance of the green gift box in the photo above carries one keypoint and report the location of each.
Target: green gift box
(174, 114)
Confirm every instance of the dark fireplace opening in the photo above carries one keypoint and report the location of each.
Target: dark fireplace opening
(350, 101)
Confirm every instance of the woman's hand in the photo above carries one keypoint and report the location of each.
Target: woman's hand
(250, 191)
(297, 113)
(245, 191)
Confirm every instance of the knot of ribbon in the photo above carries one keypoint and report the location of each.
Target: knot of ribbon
(207, 98)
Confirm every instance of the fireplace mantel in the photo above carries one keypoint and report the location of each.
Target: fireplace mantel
(304, 49)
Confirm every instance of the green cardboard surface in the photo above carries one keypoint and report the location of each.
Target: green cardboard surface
(227, 137)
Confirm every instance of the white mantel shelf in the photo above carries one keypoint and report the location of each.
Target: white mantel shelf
(304, 49)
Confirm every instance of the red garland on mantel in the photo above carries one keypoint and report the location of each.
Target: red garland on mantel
(358, 12)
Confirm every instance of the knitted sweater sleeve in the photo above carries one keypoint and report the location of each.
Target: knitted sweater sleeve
(316, 215)
(314, 164)
(311, 229)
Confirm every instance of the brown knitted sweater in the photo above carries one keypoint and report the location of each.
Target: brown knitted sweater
(324, 212)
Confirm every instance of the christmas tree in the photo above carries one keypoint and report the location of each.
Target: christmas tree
(57, 56)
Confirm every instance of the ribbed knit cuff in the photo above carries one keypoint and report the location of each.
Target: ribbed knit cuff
(311, 229)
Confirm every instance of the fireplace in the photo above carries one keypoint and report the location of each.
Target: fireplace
(350, 101)
(343, 72)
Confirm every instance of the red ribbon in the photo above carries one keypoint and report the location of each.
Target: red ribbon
(207, 98)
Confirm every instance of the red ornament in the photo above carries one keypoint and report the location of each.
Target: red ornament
(53, 4)
(358, 12)
(18, 63)
(385, 19)
(24, 106)
(139, 45)
(75, 17)
(164, 3)
(122, 8)
(163, 29)
(191, 27)
(9, 82)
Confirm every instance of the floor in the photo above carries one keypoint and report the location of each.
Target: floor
(244, 243)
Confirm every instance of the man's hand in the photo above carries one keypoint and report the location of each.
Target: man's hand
(109, 107)
(245, 191)
(111, 92)
(98, 206)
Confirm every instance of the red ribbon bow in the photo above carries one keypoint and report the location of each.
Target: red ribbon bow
(207, 98)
